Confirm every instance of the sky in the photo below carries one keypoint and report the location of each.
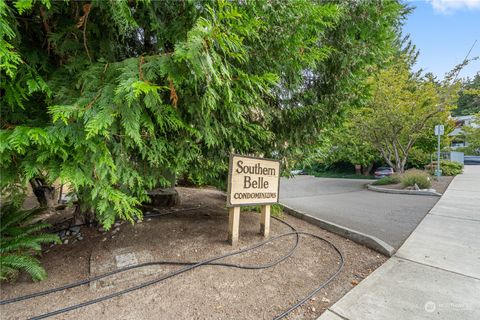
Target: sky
(444, 31)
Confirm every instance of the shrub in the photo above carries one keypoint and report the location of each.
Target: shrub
(19, 241)
(393, 179)
(418, 158)
(276, 210)
(449, 168)
(414, 176)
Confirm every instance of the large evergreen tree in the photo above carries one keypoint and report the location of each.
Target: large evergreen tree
(469, 98)
(108, 96)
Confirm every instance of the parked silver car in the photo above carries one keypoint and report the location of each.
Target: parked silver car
(383, 172)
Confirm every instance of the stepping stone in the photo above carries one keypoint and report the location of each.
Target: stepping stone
(105, 260)
(75, 229)
(125, 260)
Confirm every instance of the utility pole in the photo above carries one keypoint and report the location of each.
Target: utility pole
(439, 130)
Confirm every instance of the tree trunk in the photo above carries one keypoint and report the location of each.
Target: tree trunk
(358, 169)
(45, 194)
(82, 217)
(397, 167)
(367, 170)
(404, 162)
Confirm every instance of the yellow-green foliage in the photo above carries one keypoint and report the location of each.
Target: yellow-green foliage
(449, 168)
(276, 210)
(403, 110)
(413, 176)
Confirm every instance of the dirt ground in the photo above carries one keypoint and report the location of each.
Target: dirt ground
(440, 184)
(207, 292)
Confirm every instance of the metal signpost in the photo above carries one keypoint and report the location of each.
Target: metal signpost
(251, 181)
(439, 130)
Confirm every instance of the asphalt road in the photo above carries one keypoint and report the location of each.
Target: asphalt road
(346, 202)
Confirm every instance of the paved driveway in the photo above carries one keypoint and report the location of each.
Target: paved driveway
(346, 202)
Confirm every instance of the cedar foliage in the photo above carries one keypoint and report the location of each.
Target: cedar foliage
(109, 95)
(469, 98)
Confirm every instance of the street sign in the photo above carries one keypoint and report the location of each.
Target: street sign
(439, 130)
(251, 181)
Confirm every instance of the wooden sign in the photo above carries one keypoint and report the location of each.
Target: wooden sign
(251, 181)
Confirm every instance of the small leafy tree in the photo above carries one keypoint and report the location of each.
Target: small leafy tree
(404, 108)
(346, 144)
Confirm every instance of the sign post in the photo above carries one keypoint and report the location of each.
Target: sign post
(251, 181)
(233, 224)
(439, 130)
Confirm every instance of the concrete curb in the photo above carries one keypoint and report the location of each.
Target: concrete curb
(435, 258)
(412, 192)
(356, 236)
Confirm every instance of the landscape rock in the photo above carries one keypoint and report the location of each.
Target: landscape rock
(65, 241)
(75, 229)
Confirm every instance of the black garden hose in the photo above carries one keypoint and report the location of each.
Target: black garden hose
(187, 267)
(153, 263)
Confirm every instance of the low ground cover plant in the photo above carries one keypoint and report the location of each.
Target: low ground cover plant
(276, 210)
(414, 176)
(393, 179)
(449, 168)
(20, 241)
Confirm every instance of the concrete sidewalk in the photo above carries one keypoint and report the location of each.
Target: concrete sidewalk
(435, 274)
